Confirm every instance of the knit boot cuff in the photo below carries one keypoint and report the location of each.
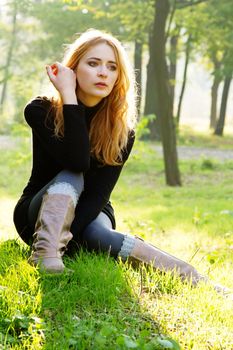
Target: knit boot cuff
(64, 188)
(127, 247)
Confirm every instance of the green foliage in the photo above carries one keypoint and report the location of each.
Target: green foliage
(142, 126)
(216, 38)
(12, 182)
(40, 38)
(22, 131)
(136, 18)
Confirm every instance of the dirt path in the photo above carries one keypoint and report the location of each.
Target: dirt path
(189, 152)
(184, 152)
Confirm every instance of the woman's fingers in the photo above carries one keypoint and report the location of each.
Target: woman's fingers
(54, 68)
(61, 77)
(49, 71)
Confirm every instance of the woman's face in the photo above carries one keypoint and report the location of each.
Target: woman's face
(96, 73)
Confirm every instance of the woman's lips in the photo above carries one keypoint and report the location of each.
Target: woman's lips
(101, 85)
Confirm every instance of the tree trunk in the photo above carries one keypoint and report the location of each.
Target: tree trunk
(168, 131)
(187, 56)
(172, 70)
(214, 100)
(221, 121)
(214, 93)
(9, 56)
(151, 97)
(138, 69)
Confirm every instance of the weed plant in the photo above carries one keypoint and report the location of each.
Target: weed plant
(99, 303)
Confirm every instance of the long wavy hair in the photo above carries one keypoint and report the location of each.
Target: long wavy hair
(109, 129)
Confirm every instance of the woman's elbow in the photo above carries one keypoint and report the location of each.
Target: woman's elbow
(79, 166)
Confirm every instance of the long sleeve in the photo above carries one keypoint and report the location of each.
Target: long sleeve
(97, 192)
(71, 151)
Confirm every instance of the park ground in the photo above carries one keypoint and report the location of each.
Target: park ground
(107, 305)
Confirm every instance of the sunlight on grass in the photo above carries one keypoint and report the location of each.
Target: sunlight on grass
(7, 229)
(20, 299)
(100, 304)
(198, 318)
(204, 138)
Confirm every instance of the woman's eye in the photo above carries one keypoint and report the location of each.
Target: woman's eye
(92, 63)
(112, 67)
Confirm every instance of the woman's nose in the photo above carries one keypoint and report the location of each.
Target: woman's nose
(102, 71)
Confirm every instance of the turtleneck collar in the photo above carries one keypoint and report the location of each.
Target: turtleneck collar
(90, 112)
(91, 109)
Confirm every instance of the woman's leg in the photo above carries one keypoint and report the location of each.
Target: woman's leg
(99, 236)
(136, 250)
(64, 182)
(51, 212)
(143, 252)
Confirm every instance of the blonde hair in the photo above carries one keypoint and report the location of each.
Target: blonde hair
(109, 129)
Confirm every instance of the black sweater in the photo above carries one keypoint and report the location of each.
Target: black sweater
(52, 154)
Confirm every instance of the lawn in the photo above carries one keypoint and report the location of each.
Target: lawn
(103, 304)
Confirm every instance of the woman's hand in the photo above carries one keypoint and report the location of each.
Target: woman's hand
(64, 80)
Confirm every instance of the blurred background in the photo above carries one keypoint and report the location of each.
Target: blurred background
(198, 53)
(182, 53)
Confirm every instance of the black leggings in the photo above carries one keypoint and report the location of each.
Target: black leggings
(99, 235)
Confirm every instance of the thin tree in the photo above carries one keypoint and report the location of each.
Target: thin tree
(162, 93)
(151, 98)
(221, 121)
(138, 50)
(214, 94)
(187, 57)
(173, 63)
(6, 70)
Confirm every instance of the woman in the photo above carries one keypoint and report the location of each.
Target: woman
(82, 136)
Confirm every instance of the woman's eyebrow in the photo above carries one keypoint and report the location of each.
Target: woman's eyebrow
(99, 59)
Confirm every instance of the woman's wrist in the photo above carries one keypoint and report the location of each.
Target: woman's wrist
(69, 98)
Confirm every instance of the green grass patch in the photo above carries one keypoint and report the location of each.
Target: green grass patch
(91, 306)
(187, 137)
(101, 304)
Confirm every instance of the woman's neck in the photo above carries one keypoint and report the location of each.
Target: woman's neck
(89, 103)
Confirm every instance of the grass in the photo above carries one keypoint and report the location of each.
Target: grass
(203, 138)
(102, 304)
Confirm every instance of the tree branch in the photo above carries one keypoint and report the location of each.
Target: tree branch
(172, 12)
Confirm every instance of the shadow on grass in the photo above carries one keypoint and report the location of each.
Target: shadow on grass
(94, 304)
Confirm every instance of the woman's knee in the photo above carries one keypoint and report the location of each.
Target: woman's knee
(101, 238)
(76, 180)
(93, 234)
(65, 182)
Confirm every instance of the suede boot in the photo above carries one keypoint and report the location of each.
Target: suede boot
(136, 251)
(140, 251)
(52, 232)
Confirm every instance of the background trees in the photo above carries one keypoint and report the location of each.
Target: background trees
(157, 34)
